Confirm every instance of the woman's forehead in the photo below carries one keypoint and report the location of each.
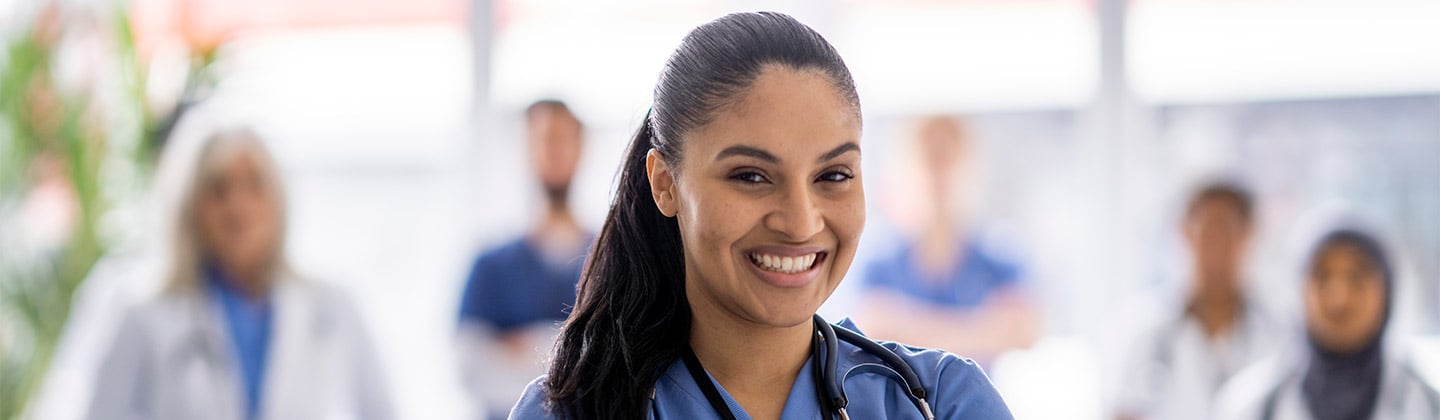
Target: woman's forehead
(1344, 252)
(225, 161)
(785, 112)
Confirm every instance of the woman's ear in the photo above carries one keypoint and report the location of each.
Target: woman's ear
(662, 183)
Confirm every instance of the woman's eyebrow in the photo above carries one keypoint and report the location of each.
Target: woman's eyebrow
(836, 152)
(747, 151)
(766, 156)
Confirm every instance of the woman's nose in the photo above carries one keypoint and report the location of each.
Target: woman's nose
(797, 216)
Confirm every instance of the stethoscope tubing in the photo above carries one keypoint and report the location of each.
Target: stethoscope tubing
(829, 381)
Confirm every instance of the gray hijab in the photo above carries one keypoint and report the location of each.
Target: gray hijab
(1346, 385)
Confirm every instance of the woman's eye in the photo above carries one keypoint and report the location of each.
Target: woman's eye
(749, 177)
(835, 176)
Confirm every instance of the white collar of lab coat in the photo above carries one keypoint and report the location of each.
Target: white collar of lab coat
(298, 323)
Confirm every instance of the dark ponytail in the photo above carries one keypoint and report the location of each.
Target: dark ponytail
(631, 308)
(631, 318)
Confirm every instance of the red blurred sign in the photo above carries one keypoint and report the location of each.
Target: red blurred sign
(204, 25)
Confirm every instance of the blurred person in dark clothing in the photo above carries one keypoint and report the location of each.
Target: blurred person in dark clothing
(517, 293)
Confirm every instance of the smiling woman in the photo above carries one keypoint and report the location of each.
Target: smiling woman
(773, 177)
(739, 209)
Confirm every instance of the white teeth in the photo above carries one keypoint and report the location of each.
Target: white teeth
(788, 265)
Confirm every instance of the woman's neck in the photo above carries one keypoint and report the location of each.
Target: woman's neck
(756, 364)
(252, 282)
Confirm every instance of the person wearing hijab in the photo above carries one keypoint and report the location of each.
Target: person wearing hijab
(1346, 370)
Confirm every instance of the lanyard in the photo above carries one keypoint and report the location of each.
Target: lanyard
(829, 388)
(697, 372)
(707, 387)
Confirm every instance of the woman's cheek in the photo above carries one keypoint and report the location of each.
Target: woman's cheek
(850, 218)
(847, 224)
(724, 219)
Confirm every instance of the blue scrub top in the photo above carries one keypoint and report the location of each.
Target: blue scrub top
(957, 388)
(981, 273)
(513, 286)
(248, 323)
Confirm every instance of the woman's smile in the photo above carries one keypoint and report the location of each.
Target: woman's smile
(787, 267)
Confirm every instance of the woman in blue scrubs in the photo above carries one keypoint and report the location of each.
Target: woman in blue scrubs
(739, 208)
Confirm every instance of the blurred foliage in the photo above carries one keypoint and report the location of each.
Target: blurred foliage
(75, 139)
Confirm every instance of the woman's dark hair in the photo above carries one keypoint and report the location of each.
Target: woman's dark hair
(631, 319)
(1228, 191)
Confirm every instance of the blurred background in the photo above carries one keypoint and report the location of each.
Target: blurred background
(399, 128)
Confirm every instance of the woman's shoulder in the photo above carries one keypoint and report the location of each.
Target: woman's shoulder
(960, 386)
(324, 298)
(926, 362)
(956, 386)
(152, 325)
(159, 311)
(532, 402)
(326, 311)
(1412, 382)
(1251, 391)
(323, 294)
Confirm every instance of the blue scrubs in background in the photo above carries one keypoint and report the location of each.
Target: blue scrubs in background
(981, 272)
(957, 389)
(514, 286)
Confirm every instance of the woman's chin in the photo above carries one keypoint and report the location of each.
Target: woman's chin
(786, 313)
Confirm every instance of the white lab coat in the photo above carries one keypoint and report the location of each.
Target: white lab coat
(1173, 372)
(117, 282)
(493, 377)
(1270, 390)
(172, 359)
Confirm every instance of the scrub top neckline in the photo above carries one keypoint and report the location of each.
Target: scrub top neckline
(802, 402)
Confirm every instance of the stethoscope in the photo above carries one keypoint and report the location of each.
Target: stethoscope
(1163, 364)
(201, 359)
(829, 383)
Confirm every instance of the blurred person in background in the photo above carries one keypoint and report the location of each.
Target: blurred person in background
(1345, 370)
(517, 294)
(1175, 367)
(950, 287)
(235, 334)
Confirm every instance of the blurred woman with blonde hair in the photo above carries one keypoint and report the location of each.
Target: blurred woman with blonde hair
(235, 334)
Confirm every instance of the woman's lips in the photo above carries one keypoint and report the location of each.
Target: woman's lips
(786, 267)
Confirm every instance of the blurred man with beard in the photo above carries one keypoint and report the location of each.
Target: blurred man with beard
(517, 293)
